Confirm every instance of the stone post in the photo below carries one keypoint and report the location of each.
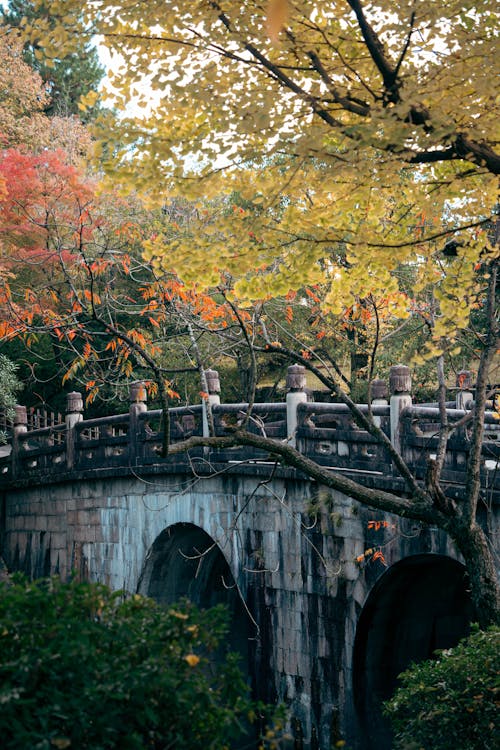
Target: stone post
(213, 390)
(400, 388)
(379, 397)
(295, 384)
(74, 414)
(20, 427)
(464, 397)
(138, 397)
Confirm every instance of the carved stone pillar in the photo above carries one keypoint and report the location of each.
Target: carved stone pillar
(213, 390)
(20, 427)
(465, 396)
(74, 414)
(400, 388)
(138, 397)
(295, 383)
(379, 393)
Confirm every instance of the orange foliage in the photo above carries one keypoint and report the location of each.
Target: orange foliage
(372, 555)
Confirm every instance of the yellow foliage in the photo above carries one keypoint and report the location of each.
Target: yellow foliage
(350, 144)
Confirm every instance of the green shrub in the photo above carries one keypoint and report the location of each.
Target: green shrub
(82, 667)
(9, 387)
(451, 702)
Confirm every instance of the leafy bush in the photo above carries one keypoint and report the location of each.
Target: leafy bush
(82, 667)
(9, 386)
(450, 702)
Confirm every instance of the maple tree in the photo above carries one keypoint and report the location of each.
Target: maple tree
(74, 278)
(55, 243)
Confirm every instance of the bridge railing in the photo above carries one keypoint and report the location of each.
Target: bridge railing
(325, 432)
(329, 434)
(420, 427)
(101, 442)
(184, 422)
(265, 419)
(40, 451)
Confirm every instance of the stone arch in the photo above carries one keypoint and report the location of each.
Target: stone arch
(184, 561)
(419, 605)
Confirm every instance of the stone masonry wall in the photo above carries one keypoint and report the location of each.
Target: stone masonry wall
(298, 559)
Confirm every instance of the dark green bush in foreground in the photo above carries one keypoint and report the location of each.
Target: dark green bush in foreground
(450, 703)
(82, 667)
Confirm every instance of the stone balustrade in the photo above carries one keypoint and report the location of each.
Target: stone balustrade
(325, 432)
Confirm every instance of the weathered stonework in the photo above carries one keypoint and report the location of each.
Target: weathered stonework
(296, 565)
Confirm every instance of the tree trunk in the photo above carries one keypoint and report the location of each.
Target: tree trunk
(485, 593)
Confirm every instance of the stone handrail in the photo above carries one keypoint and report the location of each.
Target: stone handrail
(325, 432)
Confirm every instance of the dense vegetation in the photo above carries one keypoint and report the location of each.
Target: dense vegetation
(451, 701)
(84, 668)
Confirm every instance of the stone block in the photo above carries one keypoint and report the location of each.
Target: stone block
(57, 523)
(59, 507)
(61, 560)
(350, 570)
(40, 523)
(25, 522)
(57, 540)
(352, 549)
(90, 516)
(350, 528)
(82, 534)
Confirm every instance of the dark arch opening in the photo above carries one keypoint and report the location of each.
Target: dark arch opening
(421, 604)
(184, 561)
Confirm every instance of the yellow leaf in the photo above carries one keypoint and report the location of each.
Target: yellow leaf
(179, 615)
(60, 742)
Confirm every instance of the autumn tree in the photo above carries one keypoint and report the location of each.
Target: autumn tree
(92, 313)
(23, 100)
(56, 241)
(339, 124)
(23, 94)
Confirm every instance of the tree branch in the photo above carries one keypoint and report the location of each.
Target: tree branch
(417, 507)
(377, 52)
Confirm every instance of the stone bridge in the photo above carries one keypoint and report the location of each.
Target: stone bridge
(329, 600)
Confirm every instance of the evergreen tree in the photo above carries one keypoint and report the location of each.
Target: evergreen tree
(69, 77)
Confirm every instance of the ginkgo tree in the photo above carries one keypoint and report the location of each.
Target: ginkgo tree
(66, 79)
(349, 119)
(339, 124)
